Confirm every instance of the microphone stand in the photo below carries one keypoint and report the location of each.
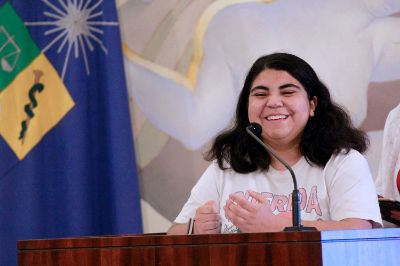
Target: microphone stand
(296, 216)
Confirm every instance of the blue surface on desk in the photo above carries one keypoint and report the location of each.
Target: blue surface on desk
(361, 247)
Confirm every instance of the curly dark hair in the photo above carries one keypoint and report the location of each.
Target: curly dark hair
(329, 132)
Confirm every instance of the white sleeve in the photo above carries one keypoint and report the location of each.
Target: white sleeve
(351, 189)
(207, 188)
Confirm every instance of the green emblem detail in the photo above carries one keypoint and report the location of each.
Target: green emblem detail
(17, 49)
(36, 88)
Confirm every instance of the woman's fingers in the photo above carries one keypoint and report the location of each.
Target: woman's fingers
(208, 227)
(249, 204)
(258, 196)
(211, 225)
(207, 219)
(208, 207)
(248, 213)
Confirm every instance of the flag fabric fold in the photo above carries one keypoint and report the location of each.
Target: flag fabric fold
(67, 165)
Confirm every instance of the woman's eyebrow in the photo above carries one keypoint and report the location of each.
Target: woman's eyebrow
(259, 87)
(284, 86)
(287, 85)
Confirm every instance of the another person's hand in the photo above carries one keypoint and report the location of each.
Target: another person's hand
(395, 215)
(207, 219)
(253, 216)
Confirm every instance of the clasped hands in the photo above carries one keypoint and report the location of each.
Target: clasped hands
(249, 216)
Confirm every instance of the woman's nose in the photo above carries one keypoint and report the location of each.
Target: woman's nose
(274, 101)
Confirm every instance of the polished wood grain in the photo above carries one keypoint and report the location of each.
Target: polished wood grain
(284, 248)
(328, 248)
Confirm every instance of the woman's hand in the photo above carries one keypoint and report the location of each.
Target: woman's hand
(207, 219)
(253, 216)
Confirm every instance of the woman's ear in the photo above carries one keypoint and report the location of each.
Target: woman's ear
(313, 105)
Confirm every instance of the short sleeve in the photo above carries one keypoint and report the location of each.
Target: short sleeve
(351, 189)
(207, 188)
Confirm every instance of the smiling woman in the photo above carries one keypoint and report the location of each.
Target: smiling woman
(281, 105)
(247, 190)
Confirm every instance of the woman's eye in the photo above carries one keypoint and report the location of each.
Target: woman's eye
(258, 94)
(288, 93)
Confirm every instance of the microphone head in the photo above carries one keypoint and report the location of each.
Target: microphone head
(256, 129)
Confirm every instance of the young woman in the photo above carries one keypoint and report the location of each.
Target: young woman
(245, 189)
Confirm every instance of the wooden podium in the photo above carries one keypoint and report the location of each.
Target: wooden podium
(350, 247)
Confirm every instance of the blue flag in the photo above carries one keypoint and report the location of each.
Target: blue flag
(67, 165)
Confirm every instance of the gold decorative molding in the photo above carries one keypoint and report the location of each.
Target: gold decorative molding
(188, 81)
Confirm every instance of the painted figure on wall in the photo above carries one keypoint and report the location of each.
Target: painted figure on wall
(349, 43)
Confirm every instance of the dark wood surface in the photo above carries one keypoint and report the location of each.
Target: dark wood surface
(283, 248)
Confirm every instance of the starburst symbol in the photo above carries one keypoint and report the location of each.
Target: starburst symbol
(75, 26)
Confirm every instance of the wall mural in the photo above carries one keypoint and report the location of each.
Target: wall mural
(186, 61)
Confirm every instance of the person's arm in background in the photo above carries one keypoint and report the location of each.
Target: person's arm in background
(390, 157)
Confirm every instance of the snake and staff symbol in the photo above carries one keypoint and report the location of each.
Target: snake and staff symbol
(36, 88)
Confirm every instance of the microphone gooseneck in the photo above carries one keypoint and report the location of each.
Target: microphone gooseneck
(255, 131)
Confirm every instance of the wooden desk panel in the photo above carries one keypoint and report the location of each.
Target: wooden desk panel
(347, 247)
(284, 248)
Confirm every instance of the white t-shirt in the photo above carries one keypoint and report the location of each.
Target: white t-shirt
(342, 189)
(386, 182)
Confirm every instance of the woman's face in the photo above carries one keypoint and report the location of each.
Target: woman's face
(280, 104)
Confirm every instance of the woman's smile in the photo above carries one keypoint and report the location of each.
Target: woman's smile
(276, 117)
(280, 104)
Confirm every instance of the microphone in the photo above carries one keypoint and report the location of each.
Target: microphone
(254, 131)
